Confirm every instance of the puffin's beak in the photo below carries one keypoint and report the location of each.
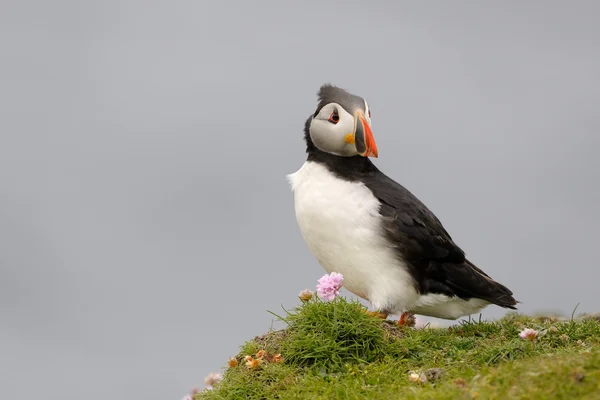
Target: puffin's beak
(364, 141)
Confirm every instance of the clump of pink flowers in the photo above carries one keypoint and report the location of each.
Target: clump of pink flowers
(529, 334)
(329, 286)
(420, 323)
(212, 379)
(191, 395)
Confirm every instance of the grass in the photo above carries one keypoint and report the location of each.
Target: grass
(337, 351)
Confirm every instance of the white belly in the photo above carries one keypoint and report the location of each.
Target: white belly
(441, 306)
(340, 223)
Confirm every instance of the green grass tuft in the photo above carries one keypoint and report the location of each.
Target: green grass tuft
(337, 351)
(330, 335)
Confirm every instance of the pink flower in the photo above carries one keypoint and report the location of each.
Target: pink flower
(420, 323)
(212, 379)
(329, 286)
(191, 395)
(529, 334)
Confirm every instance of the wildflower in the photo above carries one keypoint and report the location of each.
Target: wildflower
(261, 354)
(529, 334)
(461, 383)
(329, 286)
(277, 358)
(564, 337)
(212, 379)
(413, 377)
(253, 363)
(416, 377)
(306, 295)
(553, 329)
(191, 395)
(233, 362)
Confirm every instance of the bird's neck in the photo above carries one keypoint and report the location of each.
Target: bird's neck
(350, 168)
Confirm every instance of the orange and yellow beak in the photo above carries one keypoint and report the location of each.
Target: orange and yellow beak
(364, 140)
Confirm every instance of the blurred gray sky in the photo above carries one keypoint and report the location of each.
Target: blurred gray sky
(145, 221)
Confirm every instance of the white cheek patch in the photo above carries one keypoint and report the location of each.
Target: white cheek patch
(332, 138)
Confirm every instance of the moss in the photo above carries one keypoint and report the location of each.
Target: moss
(337, 351)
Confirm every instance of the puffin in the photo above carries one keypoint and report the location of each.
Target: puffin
(390, 248)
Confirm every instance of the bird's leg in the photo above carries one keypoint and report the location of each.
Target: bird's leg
(378, 314)
(407, 319)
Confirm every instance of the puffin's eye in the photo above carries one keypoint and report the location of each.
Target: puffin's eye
(334, 118)
(369, 113)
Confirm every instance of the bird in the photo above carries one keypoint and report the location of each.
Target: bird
(390, 248)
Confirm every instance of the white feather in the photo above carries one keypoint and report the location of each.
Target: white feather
(340, 222)
(441, 306)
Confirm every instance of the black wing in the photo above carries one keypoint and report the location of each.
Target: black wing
(438, 264)
(411, 224)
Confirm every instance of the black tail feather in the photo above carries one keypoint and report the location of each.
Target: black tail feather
(466, 281)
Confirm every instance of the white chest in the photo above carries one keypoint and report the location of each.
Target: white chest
(340, 222)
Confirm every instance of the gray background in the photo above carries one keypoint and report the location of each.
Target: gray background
(145, 221)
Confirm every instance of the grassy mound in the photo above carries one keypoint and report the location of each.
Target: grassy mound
(337, 351)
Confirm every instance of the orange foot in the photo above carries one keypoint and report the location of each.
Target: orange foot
(378, 314)
(407, 319)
